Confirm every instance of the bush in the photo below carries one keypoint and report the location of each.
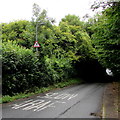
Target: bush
(24, 72)
(20, 69)
(106, 39)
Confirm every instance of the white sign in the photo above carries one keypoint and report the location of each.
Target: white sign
(109, 72)
(36, 44)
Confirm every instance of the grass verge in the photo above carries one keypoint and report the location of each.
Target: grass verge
(7, 98)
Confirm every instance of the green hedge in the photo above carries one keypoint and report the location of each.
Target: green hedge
(20, 69)
(23, 71)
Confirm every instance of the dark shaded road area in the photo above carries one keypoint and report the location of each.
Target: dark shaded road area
(77, 101)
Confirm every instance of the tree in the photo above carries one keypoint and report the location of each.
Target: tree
(80, 40)
(106, 37)
(72, 20)
(41, 24)
(13, 30)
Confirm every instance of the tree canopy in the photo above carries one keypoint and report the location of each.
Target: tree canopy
(106, 37)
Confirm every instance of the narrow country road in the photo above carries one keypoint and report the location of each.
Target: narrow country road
(77, 101)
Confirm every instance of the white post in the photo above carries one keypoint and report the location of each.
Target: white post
(36, 30)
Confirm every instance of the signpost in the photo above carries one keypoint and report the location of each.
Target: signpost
(36, 44)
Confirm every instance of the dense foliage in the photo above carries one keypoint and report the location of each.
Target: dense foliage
(60, 48)
(65, 50)
(20, 68)
(16, 31)
(106, 37)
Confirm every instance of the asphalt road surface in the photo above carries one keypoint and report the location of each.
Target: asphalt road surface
(77, 101)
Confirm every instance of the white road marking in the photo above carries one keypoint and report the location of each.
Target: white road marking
(59, 102)
(37, 106)
(50, 105)
(58, 96)
(29, 102)
(48, 95)
(66, 96)
(15, 105)
(72, 96)
(62, 96)
(40, 104)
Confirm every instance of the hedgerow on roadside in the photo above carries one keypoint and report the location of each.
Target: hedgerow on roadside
(20, 69)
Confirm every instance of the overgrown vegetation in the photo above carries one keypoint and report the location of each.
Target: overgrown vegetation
(106, 37)
(71, 49)
(20, 69)
(8, 98)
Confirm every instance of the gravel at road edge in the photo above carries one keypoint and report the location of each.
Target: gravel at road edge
(110, 107)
